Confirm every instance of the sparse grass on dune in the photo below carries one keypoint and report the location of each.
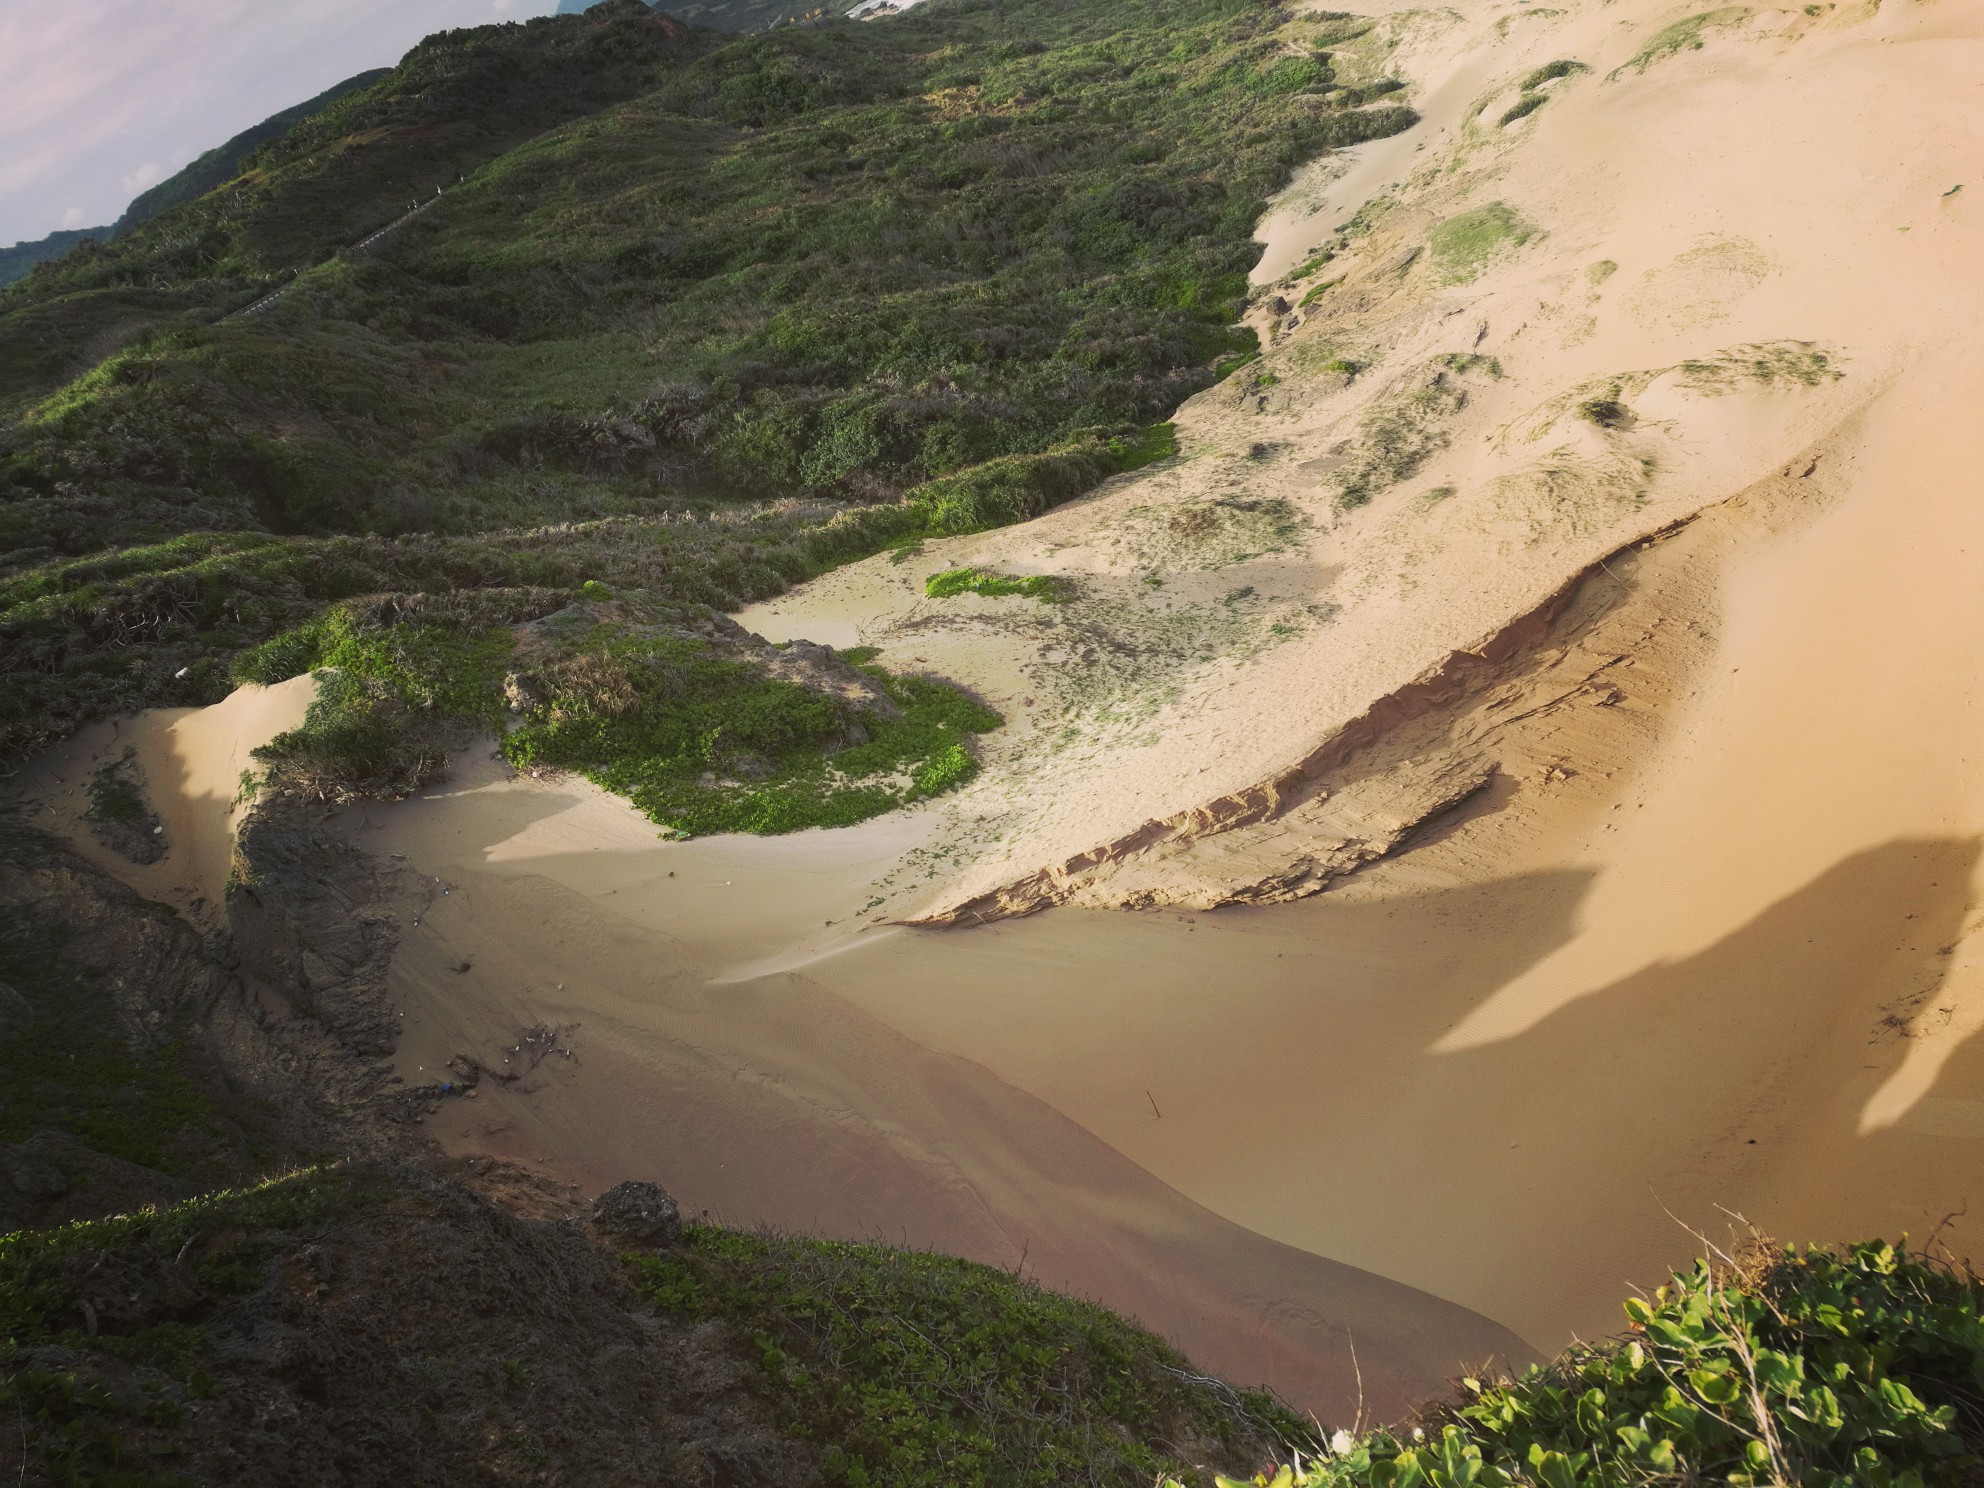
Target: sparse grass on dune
(1462, 247)
(1686, 34)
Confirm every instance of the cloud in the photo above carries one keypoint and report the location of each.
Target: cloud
(88, 88)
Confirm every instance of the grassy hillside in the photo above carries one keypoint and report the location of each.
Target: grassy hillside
(764, 306)
(404, 1330)
(215, 168)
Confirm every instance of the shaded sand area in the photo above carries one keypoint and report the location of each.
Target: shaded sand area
(769, 1099)
(187, 765)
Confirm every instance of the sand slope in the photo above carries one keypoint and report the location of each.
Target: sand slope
(767, 1100)
(1743, 244)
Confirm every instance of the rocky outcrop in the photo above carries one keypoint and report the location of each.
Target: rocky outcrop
(309, 919)
(136, 1065)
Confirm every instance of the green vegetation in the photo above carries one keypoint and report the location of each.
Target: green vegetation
(1550, 71)
(910, 1369)
(646, 699)
(1463, 246)
(704, 320)
(1683, 35)
(702, 743)
(1523, 107)
(223, 163)
(1762, 363)
(1047, 588)
(1855, 1370)
(1318, 291)
(114, 793)
(213, 169)
(38, 1268)
(70, 1426)
(70, 1069)
(1607, 413)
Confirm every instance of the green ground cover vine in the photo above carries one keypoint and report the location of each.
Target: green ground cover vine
(1861, 1368)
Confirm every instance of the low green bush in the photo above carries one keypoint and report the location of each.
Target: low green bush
(703, 745)
(1862, 1368)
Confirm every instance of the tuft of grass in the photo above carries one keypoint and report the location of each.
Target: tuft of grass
(1523, 107)
(1607, 413)
(1146, 447)
(1550, 72)
(1047, 588)
(924, 1371)
(1403, 430)
(1849, 1369)
(1462, 247)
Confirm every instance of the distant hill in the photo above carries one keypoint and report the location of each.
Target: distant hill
(18, 261)
(218, 166)
(733, 15)
(222, 163)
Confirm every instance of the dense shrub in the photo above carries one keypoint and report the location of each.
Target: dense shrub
(1862, 1368)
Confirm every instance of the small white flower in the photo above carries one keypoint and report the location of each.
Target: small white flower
(1341, 1442)
(1418, 1433)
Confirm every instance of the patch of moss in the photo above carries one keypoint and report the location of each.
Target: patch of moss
(1462, 247)
(1047, 588)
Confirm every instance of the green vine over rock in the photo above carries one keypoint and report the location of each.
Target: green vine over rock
(1857, 1369)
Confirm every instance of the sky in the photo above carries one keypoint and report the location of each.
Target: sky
(101, 98)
